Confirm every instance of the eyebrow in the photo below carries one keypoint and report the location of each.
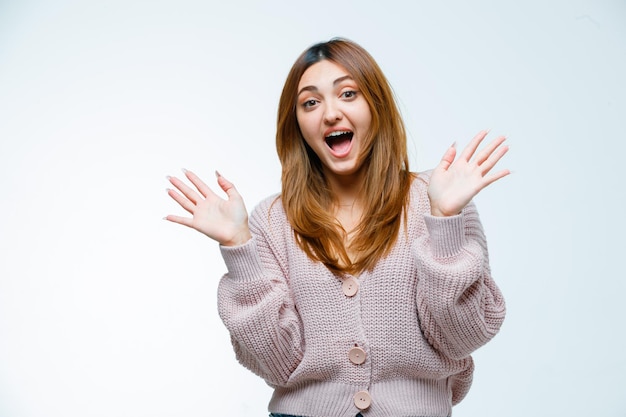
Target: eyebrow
(314, 88)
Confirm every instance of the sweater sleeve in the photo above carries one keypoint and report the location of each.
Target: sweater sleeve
(460, 306)
(255, 305)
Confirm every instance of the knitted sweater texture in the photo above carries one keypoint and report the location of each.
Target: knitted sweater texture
(417, 316)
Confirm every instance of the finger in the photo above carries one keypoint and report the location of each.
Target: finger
(198, 183)
(178, 219)
(489, 149)
(184, 202)
(448, 157)
(493, 159)
(187, 191)
(493, 178)
(473, 145)
(227, 186)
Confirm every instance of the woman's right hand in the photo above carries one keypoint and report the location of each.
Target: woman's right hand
(225, 221)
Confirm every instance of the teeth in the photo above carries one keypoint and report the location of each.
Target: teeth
(338, 133)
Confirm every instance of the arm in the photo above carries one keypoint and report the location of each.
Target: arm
(460, 306)
(253, 297)
(255, 304)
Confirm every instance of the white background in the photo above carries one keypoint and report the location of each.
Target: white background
(108, 310)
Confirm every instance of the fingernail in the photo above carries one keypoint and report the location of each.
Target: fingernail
(217, 174)
(184, 170)
(453, 144)
(167, 177)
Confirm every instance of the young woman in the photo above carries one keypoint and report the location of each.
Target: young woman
(362, 288)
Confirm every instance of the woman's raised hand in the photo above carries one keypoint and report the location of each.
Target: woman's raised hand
(454, 183)
(225, 221)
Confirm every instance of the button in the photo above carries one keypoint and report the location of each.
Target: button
(356, 355)
(350, 287)
(362, 400)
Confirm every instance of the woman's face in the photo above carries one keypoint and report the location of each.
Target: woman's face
(333, 116)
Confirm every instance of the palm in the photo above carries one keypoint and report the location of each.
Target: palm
(454, 183)
(225, 221)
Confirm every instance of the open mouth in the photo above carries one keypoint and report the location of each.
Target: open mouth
(339, 141)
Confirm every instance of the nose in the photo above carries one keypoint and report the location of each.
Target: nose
(332, 113)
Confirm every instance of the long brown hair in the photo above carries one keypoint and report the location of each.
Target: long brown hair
(306, 196)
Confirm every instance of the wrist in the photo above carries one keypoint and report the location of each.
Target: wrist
(239, 239)
(437, 212)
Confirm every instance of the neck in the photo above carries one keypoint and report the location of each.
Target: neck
(347, 189)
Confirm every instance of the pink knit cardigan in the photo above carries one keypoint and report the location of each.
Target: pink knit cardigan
(417, 316)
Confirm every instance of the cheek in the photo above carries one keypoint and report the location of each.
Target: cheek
(305, 124)
(367, 116)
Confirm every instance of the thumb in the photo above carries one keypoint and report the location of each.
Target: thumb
(448, 157)
(226, 185)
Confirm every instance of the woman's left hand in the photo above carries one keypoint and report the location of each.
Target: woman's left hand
(454, 183)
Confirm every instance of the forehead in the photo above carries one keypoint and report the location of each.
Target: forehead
(322, 72)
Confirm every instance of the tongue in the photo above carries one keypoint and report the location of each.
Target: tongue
(340, 144)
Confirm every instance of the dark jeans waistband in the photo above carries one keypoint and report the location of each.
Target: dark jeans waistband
(289, 415)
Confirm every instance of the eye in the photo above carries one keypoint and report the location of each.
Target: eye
(349, 94)
(309, 103)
